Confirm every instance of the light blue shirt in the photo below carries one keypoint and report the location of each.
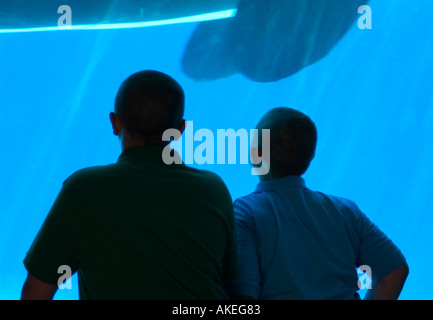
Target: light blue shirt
(294, 243)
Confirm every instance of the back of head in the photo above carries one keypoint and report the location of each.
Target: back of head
(293, 139)
(148, 103)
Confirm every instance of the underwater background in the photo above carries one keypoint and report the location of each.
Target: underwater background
(371, 98)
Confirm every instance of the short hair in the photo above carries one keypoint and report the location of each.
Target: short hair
(148, 103)
(293, 140)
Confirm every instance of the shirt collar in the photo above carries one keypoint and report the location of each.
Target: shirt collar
(151, 153)
(281, 183)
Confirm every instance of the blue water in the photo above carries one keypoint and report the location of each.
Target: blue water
(371, 99)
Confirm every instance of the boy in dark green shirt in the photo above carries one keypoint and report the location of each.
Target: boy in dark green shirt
(138, 229)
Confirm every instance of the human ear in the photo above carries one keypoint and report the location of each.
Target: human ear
(182, 126)
(116, 124)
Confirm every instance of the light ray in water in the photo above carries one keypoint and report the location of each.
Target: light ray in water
(196, 18)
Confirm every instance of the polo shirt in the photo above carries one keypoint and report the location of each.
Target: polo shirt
(139, 229)
(295, 243)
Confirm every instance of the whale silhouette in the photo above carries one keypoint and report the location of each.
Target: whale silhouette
(268, 40)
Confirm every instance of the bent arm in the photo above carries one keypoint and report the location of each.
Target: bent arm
(35, 289)
(247, 283)
(390, 286)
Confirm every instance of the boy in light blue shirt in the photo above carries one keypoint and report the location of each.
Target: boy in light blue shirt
(295, 243)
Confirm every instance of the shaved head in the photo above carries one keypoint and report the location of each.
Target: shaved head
(292, 143)
(148, 103)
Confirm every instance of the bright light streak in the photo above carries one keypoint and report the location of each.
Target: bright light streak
(197, 18)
